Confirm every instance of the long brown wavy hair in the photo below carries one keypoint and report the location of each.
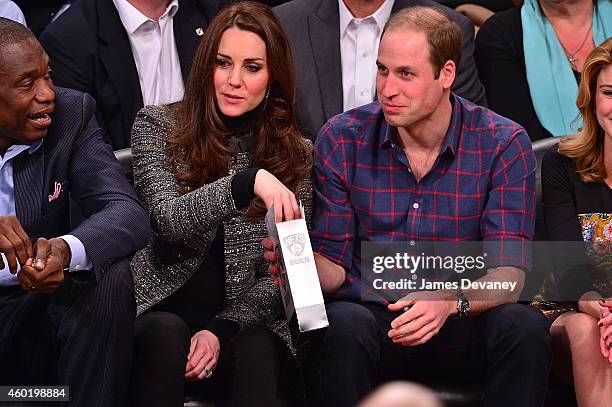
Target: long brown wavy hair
(587, 147)
(197, 149)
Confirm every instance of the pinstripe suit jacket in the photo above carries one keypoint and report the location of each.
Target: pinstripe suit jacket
(75, 156)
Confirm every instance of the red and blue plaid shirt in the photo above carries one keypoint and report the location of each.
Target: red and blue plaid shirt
(480, 188)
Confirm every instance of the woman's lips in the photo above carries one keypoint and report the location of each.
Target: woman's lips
(232, 99)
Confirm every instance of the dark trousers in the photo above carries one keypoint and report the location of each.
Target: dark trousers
(80, 336)
(505, 351)
(250, 370)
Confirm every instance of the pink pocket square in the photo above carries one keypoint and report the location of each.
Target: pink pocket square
(56, 192)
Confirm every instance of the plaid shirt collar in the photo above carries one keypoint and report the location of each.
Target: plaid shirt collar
(388, 134)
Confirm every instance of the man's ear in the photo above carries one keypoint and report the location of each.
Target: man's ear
(448, 73)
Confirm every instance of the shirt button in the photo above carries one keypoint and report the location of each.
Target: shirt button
(365, 54)
(415, 205)
(364, 92)
(412, 243)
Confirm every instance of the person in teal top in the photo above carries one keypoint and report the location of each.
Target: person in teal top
(530, 59)
(556, 42)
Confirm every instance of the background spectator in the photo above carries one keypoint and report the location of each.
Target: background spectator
(530, 57)
(493, 5)
(38, 13)
(10, 10)
(334, 44)
(126, 54)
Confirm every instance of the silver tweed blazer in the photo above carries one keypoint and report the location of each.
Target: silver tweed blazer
(184, 225)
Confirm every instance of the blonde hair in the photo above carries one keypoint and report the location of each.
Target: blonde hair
(586, 147)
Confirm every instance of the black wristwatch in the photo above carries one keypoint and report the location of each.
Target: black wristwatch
(463, 305)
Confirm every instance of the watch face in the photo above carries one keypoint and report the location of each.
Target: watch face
(463, 305)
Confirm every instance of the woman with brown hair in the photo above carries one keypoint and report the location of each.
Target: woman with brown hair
(577, 203)
(207, 169)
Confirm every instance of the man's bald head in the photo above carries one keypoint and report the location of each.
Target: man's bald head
(401, 394)
(12, 32)
(26, 90)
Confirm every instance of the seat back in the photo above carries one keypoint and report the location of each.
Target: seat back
(540, 148)
(124, 156)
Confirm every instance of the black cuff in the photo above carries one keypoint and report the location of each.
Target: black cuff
(243, 184)
(224, 329)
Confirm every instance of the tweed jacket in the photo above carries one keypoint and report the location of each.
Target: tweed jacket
(184, 226)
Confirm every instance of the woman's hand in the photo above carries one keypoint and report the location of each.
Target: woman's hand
(203, 356)
(607, 303)
(605, 329)
(273, 192)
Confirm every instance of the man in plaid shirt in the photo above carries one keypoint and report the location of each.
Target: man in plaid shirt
(424, 164)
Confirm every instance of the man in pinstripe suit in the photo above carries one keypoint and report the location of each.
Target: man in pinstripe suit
(66, 297)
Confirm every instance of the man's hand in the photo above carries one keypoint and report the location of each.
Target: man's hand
(331, 275)
(14, 243)
(428, 312)
(203, 356)
(46, 272)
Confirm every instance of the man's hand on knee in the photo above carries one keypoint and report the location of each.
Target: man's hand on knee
(426, 312)
(46, 272)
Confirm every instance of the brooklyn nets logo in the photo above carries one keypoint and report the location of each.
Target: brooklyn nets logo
(295, 243)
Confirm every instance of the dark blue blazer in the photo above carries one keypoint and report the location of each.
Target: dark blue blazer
(90, 51)
(75, 156)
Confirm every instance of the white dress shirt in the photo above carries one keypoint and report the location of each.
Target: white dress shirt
(79, 259)
(154, 51)
(359, 38)
(10, 10)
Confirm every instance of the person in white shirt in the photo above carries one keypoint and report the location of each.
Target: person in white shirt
(359, 39)
(151, 37)
(10, 10)
(335, 42)
(127, 54)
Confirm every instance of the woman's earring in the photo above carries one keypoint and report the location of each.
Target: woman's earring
(266, 97)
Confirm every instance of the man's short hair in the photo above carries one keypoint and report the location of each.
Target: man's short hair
(12, 32)
(443, 34)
